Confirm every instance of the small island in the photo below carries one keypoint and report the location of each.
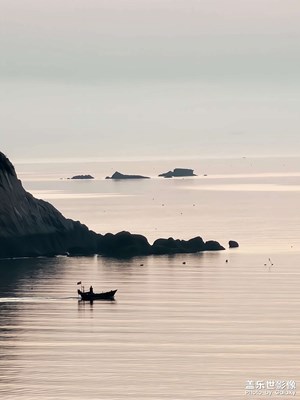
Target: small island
(82, 177)
(118, 175)
(178, 172)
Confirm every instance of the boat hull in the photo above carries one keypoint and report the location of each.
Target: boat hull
(88, 296)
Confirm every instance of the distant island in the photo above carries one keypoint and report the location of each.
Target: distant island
(118, 175)
(178, 172)
(30, 227)
(82, 177)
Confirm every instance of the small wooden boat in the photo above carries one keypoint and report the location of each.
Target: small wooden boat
(91, 296)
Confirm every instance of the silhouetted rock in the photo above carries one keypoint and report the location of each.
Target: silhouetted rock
(82, 177)
(168, 174)
(233, 244)
(32, 227)
(123, 244)
(212, 245)
(173, 246)
(183, 172)
(178, 172)
(118, 175)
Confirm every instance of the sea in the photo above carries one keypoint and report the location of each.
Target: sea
(215, 325)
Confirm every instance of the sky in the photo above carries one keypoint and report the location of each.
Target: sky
(123, 78)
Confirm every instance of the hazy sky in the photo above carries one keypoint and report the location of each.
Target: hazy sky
(139, 78)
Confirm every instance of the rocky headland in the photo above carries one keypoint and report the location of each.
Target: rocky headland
(30, 227)
(178, 172)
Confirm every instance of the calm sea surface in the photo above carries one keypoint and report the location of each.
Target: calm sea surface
(175, 331)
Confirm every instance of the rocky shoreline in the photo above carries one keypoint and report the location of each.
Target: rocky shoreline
(30, 227)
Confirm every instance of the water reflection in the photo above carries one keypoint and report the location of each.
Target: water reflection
(175, 330)
(85, 305)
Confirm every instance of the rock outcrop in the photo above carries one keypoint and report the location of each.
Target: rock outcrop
(173, 246)
(82, 177)
(233, 244)
(178, 172)
(123, 244)
(118, 175)
(168, 174)
(30, 227)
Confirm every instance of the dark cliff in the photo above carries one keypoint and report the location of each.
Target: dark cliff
(32, 227)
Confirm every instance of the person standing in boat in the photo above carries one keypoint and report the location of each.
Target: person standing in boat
(91, 289)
